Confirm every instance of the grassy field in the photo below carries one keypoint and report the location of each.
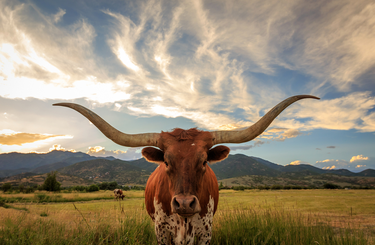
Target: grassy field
(243, 217)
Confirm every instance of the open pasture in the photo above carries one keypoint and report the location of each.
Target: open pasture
(243, 217)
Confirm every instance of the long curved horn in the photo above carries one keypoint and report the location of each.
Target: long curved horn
(219, 137)
(129, 140)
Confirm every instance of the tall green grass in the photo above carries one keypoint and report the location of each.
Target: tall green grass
(272, 226)
(237, 226)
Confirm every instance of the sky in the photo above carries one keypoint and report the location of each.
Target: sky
(152, 66)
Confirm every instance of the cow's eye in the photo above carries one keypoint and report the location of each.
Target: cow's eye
(166, 164)
(204, 163)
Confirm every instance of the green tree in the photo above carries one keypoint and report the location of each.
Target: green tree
(330, 186)
(6, 187)
(103, 186)
(112, 185)
(51, 184)
(21, 187)
(93, 188)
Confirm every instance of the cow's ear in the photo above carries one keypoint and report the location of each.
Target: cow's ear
(153, 155)
(218, 154)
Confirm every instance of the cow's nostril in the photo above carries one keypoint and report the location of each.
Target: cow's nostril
(175, 203)
(192, 204)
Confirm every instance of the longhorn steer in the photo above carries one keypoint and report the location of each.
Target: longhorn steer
(182, 193)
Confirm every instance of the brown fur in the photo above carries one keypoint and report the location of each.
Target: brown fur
(118, 194)
(183, 169)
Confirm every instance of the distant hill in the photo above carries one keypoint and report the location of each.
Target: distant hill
(100, 170)
(95, 169)
(302, 181)
(16, 163)
(239, 165)
(367, 173)
(30, 179)
(143, 164)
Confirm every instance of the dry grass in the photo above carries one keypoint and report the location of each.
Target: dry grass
(268, 210)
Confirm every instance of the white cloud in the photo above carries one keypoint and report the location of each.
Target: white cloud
(183, 61)
(11, 140)
(57, 17)
(352, 165)
(280, 134)
(57, 147)
(348, 112)
(246, 146)
(297, 162)
(129, 154)
(358, 158)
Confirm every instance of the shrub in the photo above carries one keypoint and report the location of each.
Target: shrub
(93, 188)
(276, 187)
(330, 186)
(136, 187)
(78, 188)
(21, 187)
(103, 186)
(51, 184)
(6, 187)
(41, 197)
(238, 188)
(112, 185)
(29, 190)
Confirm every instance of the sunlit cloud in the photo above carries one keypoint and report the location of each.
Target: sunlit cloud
(10, 137)
(280, 134)
(352, 164)
(129, 154)
(25, 142)
(298, 162)
(125, 59)
(57, 147)
(358, 158)
(348, 112)
(182, 60)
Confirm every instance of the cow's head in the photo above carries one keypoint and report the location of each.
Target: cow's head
(183, 154)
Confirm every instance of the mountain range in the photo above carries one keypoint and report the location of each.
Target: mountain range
(96, 169)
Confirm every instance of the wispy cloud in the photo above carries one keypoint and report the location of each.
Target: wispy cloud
(57, 17)
(215, 66)
(246, 146)
(130, 154)
(19, 141)
(10, 137)
(353, 111)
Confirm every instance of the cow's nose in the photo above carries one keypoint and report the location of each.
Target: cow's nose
(185, 205)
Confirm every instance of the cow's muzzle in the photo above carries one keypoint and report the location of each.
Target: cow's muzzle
(185, 206)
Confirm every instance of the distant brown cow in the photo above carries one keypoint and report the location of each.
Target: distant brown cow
(118, 194)
(182, 194)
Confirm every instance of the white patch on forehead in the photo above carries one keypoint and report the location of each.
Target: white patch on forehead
(173, 228)
(193, 144)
